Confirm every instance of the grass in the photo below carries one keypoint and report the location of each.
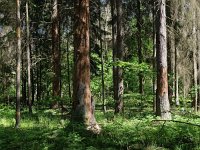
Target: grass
(48, 130)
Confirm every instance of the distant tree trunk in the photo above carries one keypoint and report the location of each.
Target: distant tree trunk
(68, 70)
(139, 41)
(28, 58)
(32, 76)
(154, 60)
(83, 105)
(195, 60)
(176, 78)
(114, 33)
(18, 71)
(23, 77)
(198, 55)
(56, 54)
(102, 61)
(163, 108)
(119, 87)
(171, 48)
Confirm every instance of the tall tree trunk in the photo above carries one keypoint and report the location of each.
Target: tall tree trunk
(83, 105)
(56, 54)
(163, 108)
(28, 57)
(198, 53)
(154, 59)
(102, 61)
(139, 42)
(171, 14)
(18, 71)
(114, 52)
(195, 60)
(119, 87)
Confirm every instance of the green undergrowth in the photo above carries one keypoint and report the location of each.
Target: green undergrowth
(51, 130)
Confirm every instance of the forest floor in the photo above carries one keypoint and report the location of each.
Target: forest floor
(48, 129)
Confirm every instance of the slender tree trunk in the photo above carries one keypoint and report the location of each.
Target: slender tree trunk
(139, 42)
(68, 71)
(23, 77)
(154, 60)
(18, 71)
(114, 33)
(119, 89)
(102, 62)
(195, 59)
(32, 77)
(83, 104)
(28, 57)
(176, 78)
(163, 108)
(198, 53)
(56, 54)
(171, 47)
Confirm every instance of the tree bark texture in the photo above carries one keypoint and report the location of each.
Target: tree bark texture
(83, 105)
(56, 53)
(163, 108)
(194, 47)
(18, 71)
(28, 57)
(171, 14)
(118, 78)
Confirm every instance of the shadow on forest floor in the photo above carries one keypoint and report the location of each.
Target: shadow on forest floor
(48, 130)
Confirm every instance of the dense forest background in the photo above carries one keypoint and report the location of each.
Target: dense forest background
(100, 74)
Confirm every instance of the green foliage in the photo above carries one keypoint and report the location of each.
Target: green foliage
(134, 66)
(48, 130)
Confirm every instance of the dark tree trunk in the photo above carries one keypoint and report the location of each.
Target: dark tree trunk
(68, 70)
(82, 107)
(56, 54)
(170, 48)
(139, 42)
(18, 71)
(102, 62)
(114, 33)
(23, 77)
(118, 79)
(163, 108)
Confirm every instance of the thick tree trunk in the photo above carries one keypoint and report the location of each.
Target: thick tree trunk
(119, 87)
(28, 58)
(56, 54)
(18, 71)
(83, 105)
(163, 108)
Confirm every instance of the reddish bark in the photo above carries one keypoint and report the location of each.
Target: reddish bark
(82, 101)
